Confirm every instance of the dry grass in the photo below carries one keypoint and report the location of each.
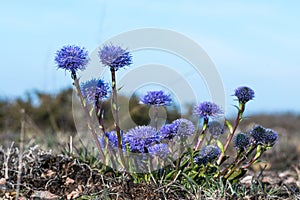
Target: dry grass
(70, 172)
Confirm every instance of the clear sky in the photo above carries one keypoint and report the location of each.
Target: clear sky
(254, 43)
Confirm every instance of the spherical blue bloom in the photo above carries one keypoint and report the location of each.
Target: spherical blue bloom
(167, 131)
(241, 141)
(183, 127)
(161, 150)
(95, 90)
(115, 57)
(207, 109)
(140, 138)
(270, 137)
(208, 154)
(179, 127)
(263, 136)
(156, 98)
(258, 133)
(244, 94)
(215, 128)
(72, 58)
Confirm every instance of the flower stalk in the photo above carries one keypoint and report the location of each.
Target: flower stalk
(232, 130)
(201, 134)
(87, 113)
(114, 102)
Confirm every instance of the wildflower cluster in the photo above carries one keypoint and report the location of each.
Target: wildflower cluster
(205, 158)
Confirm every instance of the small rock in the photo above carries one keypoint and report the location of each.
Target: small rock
(247, 180)
(44, 195)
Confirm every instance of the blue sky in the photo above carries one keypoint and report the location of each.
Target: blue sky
(254, 43)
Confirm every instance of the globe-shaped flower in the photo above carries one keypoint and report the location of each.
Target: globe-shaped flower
(244, 94)
(258, 133)
(115, 57)
(208, 154)
(141, 138)
(207, 109)
(270, 137)
(72, 58)
(215, 128)
(156, 98)
(94, 90)
(241, 141)
(179, 127)
(167, 131)
(263, 136)
(183, 127)
(160, 150)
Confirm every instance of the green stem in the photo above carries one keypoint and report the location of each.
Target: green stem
(254, 159)
(155, 114)
(89, 119)
(232, 131)
(99, 114)
(238, 156)
(240, 162)
(201, 135)
(115, 114)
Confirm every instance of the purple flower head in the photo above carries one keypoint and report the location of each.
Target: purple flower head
(270, 137)
(112, 139)
(161, 150)
(215, 128)
(183, 127)
(72, 58)
(179, 127)
(115, 57)
(241, 141)
(141, 138)
(263, 136)
(244, 94)
(208, 154)
(258, 134)
(156, 98)
(207, 109)
(94, 90)
(167, 131)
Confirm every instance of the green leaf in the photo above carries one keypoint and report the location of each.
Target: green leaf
(191, 181)
(91, 111)
(220, 145)
(169, 175)
(229, 126)
(236, 175)
(114, 106)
